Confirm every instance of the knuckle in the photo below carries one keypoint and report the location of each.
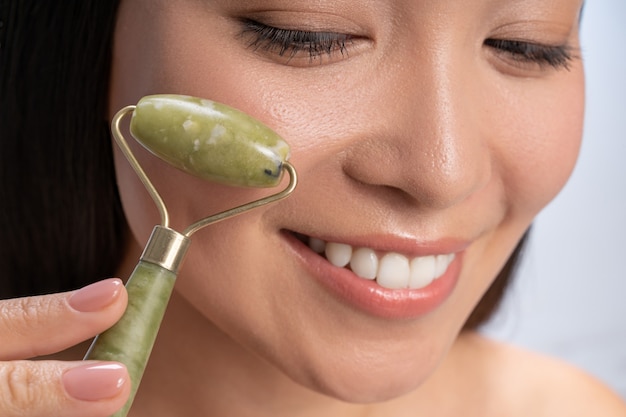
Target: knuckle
(22, 316)
(17, 381)
(20, 383)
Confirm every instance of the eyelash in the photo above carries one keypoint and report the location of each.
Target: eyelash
(533, 53)
(289, 43)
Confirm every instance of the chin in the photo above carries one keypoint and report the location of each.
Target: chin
(359, 390)
(365, 379)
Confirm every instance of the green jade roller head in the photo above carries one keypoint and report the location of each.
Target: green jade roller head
(205, 139)
(210, 140)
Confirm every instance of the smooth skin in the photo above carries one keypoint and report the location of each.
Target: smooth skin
(416, 134)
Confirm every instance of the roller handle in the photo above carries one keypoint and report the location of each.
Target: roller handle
(149, 287)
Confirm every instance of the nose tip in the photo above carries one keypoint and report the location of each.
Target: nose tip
(459, 167)
(435, 172)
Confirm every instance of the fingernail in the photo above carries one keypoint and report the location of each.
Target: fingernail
(96, 296)
(95, 382)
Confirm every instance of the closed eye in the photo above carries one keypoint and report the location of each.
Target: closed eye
(291, 43)
(556, 56)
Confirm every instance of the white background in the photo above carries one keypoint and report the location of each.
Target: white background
(569, 299)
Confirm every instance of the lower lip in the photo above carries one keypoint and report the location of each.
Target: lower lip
(369, 297)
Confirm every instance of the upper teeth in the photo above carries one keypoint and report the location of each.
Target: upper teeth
(392, 270)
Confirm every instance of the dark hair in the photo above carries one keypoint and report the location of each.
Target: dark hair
(61, 222)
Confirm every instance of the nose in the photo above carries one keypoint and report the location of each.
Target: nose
(428, 140)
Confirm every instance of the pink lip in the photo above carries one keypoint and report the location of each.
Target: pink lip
(369, 297)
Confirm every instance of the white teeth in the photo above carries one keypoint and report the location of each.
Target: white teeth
(364, 263)
(422, 271)
(393, 270)
(338, 254)
(443, 261)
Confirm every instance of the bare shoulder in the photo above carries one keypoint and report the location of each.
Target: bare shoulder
(533, 384)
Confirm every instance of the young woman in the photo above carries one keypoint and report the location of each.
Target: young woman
(426, 134)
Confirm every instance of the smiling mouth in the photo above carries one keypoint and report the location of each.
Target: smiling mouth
(390, 270)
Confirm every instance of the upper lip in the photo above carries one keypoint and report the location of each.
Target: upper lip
(409, 246)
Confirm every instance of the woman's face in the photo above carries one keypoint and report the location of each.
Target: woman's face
(426, 134)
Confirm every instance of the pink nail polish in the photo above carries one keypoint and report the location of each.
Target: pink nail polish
(96, 296)
(94, 382)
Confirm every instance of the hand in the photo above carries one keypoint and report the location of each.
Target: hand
(42, 325)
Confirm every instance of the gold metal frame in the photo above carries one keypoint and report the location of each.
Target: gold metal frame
(165, 219)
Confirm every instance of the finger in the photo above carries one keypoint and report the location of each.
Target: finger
(63, 389)
(34, 326)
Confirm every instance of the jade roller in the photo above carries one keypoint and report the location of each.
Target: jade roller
(205, 139)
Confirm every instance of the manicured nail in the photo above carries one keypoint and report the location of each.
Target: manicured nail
(96, 296)
(94, 382)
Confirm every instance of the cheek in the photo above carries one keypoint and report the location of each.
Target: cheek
(540, 144)
(534, 140)
(157, 51)
(135, 199)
